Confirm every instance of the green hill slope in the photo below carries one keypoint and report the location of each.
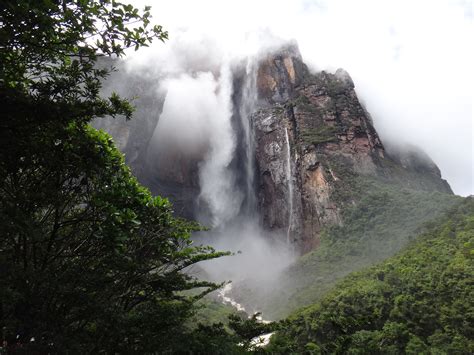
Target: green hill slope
(384, 220)
(420, 301)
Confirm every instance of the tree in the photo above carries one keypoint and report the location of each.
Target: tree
(89, 260)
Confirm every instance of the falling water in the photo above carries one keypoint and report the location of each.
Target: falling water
(217, 179)
(290, 185)
(227, 200)
(247, 107)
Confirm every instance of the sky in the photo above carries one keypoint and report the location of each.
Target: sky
(411, 61)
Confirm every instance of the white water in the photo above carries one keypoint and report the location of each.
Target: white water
(290, 186)
(249, 101)
(262, 340)
(217, 180)
(223, 294)
(259, 341)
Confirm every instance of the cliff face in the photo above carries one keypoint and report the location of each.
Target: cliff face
(312, 138)
(301, 144)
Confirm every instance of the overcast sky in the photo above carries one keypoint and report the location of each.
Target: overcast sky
(411, 61)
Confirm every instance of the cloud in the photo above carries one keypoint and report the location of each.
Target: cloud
(411, 61)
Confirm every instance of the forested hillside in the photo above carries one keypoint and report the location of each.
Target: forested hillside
(420, 301)
(386, 218)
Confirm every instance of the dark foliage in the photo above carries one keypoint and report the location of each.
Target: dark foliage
(90, 262)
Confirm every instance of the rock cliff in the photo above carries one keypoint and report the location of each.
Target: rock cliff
(306, 139)
(313, 138)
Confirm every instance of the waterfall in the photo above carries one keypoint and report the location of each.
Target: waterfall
(212, 125)
(217, 179)
(201, 155)
(247, 107)
(290, 185)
